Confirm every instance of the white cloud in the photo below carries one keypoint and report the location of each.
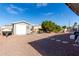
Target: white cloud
(41, 4)
(11, 11)
(14, 9)
(48, 14)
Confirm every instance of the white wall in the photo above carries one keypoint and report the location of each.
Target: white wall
(22, 29)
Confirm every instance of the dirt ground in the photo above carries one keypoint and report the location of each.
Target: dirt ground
(18, 45)
(46, 44)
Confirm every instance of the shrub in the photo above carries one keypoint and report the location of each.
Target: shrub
(49, 26)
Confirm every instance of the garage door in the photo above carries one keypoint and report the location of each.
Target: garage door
(20, 29)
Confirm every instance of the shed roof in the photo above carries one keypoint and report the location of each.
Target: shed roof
(21, 22)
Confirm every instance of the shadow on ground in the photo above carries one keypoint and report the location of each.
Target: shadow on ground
(49, 47)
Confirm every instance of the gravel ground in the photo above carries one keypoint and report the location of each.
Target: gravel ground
(19, 45)
(46, 44)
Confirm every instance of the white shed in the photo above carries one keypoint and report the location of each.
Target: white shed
(21, 28)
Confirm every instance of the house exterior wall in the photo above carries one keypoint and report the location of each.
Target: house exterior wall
(28, 28)
(36, 28)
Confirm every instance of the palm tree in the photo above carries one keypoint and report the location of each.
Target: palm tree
(75, 24)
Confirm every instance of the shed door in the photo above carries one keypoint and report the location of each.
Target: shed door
(20, 29)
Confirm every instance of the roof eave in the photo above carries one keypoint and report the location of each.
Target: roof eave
(72, 8)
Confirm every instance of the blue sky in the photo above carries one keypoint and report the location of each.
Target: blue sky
(35, 13)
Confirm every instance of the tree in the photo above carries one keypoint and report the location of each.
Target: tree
(75, 26)
(64, 27)
(56, 29)
(49, 26)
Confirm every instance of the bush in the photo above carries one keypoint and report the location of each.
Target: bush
(64, 27)
(57, 29)
(40, 31)
(49, 26)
